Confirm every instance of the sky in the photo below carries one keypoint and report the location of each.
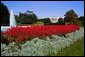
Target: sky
(45, 9)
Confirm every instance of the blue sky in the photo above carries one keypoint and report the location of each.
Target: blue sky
(46, 8)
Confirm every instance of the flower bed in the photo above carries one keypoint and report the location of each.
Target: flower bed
(42, 47)
(21, 34)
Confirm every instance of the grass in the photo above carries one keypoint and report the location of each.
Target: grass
(77, 49)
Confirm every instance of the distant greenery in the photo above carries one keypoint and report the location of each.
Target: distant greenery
(71, 17)
(60, 21)
(81, 20)
(4, 15)
(28, 17)
(45, 20)
(77, 49)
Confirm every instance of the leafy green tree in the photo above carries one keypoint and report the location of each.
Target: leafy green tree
(60, 21)
(70, 16)
(28, 17)
(81, 18)
(4, 15)
(17, 19)
(45, 20)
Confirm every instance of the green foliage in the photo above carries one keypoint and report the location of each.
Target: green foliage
(60, 21)
(81, 18)
(17, 19)
(45, 20)
(4, 15)
(80, 23)
(26, 18)
(70, 16)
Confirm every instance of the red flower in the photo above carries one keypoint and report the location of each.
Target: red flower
(19, 34)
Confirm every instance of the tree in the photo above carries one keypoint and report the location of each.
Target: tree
(4, 15)
(28, 17)
(70, 16)
(17, 18)
(45, 21)
(81, 18)
(29, 12)
(60, 21)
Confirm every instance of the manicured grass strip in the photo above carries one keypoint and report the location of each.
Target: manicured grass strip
(77, 49)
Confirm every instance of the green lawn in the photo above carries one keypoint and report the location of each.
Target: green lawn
(77, 49)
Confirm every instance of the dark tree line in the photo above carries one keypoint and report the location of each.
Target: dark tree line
(26, 18)
(29, 18)
(81, 18)
(45, 20)
(5, 15)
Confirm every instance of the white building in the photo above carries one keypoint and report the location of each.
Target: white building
(54, 19)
